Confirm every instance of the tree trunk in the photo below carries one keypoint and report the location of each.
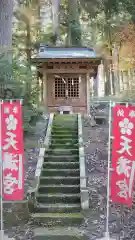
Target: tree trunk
(107, 30)
(28, 43)
(107, 78)
(6, 14)
(55, 20)
(116, 69)
(74, 23)
(111, 60)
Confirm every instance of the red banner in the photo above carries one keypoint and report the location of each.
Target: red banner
(12, 151)
(123, 154)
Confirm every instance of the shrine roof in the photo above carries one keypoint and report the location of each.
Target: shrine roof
(45, 52)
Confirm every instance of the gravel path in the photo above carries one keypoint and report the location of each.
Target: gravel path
(31, 155)
(95, 148)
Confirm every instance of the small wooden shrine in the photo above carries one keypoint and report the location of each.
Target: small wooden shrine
(66, 74)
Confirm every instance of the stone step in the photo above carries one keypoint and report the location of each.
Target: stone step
(70, 127)
(69, 132)
(58, 208)
(60, 151)
(66, 124)
(60, 180)
(65, 118)
(65, 121)
(66, 136)
(61, 172)
(63, 145)
(58, 234)
(57, 158)
(59, 189)
(58, 198)
(64, 141)
(57, 219)
(62, 165)
(62, 134)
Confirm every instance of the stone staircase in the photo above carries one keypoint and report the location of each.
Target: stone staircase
(58, 197)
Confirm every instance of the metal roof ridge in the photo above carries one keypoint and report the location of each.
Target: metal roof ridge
(62, 47)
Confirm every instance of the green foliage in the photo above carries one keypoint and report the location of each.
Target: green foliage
(70, 26)
(93, 23)
(29, 93)
(129, 6)
(74, 23)
(14, 81)
(25, 34)
(92, 7)
(75, 33)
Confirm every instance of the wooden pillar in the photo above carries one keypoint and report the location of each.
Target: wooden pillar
(45, 90)
(88, 93)
(42, 90)
(101, 80)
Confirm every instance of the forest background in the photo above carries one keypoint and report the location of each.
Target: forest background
(108, 26)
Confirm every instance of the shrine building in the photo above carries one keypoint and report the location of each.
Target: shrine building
(65, 74)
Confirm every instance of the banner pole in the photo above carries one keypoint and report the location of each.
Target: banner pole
(108, 175)
(1, 175)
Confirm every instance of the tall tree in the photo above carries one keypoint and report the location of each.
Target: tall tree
(28, 16)
(28, 32)
(74, 27)
(129, 6)
(55, 20)
(6, 14)
(108, 9)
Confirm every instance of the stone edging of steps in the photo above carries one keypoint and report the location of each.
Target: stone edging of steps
(32, 191)
(83, 178)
